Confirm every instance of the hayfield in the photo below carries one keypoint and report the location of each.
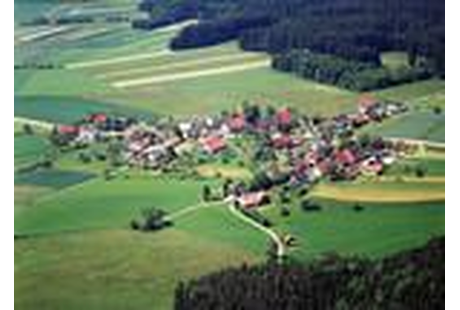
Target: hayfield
(383, 191)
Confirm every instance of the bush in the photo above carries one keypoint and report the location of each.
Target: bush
(309, 206)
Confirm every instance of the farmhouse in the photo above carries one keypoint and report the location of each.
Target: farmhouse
(251, 200)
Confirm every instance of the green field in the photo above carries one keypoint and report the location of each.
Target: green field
(67, 109)
(29, 149)
(378, 230)
(422, 125)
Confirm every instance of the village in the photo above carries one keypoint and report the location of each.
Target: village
(286, 148)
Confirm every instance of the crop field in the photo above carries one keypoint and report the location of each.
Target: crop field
(383, 191)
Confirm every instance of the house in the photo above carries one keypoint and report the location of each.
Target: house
(345, 157)
(251, 200)
(281, 141)
(284, 117)
(213, 144)
(365, 102)
(98, 118)
(68, 130)
(237, 123)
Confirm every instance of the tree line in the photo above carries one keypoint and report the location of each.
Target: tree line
(409, 280)
(349, 74)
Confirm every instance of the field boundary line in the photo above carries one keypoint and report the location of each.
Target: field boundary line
(190, 75)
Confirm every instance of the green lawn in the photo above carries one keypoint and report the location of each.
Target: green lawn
(378, 230)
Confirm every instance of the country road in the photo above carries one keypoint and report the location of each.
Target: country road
(32, 122)
(191, 209)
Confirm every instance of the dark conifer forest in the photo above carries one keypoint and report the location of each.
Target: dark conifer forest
(355, 30)
(411, 280)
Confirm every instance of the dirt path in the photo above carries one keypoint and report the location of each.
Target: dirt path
(191, 209)
(280, 247)
(190, 75)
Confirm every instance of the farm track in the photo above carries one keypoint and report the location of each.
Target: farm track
(191, 209)
(190, 75)
(280, 247)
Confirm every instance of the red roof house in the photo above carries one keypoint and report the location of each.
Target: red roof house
(284, 116)
(282, 141)
(68, 130)
(98, 118)
(365, 102)
(213, 144)
(250, 200)
(237, 122)
(345, 157)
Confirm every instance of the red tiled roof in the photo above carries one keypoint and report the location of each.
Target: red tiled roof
(68, 129)
(251, 199)
(345, 157)
(98, 118)
(284, 116)
(213, 144)
(366, 100)
(282, 141)
(237, 122)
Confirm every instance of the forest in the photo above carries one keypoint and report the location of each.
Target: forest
(406, 281)
(357, 30)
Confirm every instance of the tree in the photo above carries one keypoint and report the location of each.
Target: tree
(151, 219)
(206, 193)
